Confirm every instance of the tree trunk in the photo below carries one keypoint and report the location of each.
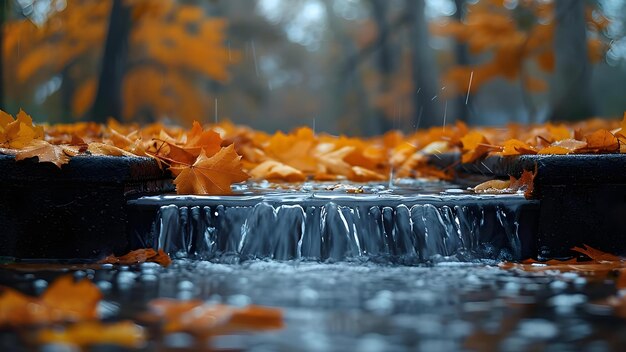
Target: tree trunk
(462, 59)
(108, 102)
(570, 89)
(336, 105)
(384, 58)
(425, 78)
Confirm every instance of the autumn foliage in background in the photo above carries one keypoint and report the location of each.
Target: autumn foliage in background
(516, 39)
(174, 49)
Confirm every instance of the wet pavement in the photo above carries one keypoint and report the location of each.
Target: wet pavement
(364, 306)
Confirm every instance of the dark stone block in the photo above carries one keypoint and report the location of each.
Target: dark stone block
(76, 212)
(582, 198)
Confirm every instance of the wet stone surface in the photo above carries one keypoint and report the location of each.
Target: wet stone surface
(363, 306)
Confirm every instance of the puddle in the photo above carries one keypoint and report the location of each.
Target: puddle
(371, 307)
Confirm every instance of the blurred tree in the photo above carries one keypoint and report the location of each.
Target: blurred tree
(571, 85)
(384, 58)
(346, 88)
(462, 59)
(63, 44)
(427, 112)
(152, 54)
(108, 101)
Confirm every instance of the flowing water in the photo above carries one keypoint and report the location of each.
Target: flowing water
(407, 224)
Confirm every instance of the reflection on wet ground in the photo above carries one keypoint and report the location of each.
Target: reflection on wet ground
(360, 306)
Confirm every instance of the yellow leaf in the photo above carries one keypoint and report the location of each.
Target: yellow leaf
(96, 148)
(45, 152)
(16, 135)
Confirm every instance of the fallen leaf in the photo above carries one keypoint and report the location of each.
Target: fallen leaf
(44, 151)
(125, 333)
(602, 141)
(294, 149)
(475, 146)
(524, 184)
(333, 161)
(596, 254)
(194, 142)
(16, 135)
(558, 132)
(516, 147)
(210, 175)
(96, 148)
(554, 150)
(274, 170)
(65, 300)
(493, 186)
(203, 320)
(361, 174)
(72, 300)
(570, 144)
(139, 256)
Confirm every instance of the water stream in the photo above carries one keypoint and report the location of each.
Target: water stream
(328, 226)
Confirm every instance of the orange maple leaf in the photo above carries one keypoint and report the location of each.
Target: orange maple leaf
(197, 140)
(210, 175)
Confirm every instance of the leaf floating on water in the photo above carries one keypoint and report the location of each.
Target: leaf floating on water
(204, 320)
(65, 300)
(125, 333)
(139, 256)
(597, 255)
(600, 266)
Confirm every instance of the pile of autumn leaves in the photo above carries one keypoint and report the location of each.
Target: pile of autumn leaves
(209, 160)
